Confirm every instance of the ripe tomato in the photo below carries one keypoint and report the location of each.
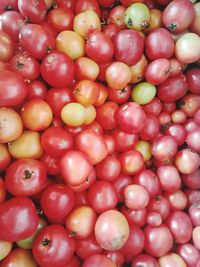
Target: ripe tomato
(14, 225)
(25, 177)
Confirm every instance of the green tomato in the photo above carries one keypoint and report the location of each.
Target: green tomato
(137, 17)
(28, 242)
(143, 93)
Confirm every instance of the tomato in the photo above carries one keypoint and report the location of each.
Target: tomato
(36, 115)
(73, 114)
(86, 69)
(51, 239)
(89, 142)
(13, 89)
(36, 40)
(86, 22)
(80, 222)
(11, 125)
(75, 47)
(36, 89)
(115, 237)
(129, 46)
(28, 67)
(57, 69)
(105, 115)
(116, 16)
(97, 259)
(27, 145)
(6, 247)
(69, 171)
(99, 47)
(172, 89)
(25, 177)
(61, 19)
(12, 218)
(87, 247)
(7, 5)
(128, 123)
(178, 15)
(159, 44)
(57, 201)
(86, 92)
(102, 196)
(34, 10)
(118, 75)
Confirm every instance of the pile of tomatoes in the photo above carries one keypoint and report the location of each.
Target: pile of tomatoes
(99, 133)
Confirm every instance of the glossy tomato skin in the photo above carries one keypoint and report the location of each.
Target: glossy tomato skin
(25, 177)
(18, 219)
(57, 98)
(12, 23)
(129, 46)
(56, 141)
(51, 240)
(57, 201)
(159, 44)
(6, 5)
(81, 6)
(36, 40)
(13, 89)
(34, 10)
(36, 89)
(89, 143)
(75, 167)
(27, 66)
(99, 47)
(57, 69)
(173, 89)
(6, 47)
(128, 123)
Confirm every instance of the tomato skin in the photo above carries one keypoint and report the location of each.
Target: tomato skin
(57, 69)
(51, 239)
(128, 123)
(173, 89)
(36, 40)
(7, 5)
(89, 143)
(57, 98)
(57, 201)
(81, 6)
(5, 157)
(61, 19)
(15, 213)
(36, 89)
(99, 47)
(11, 23)
(51, 164)
(159, 44)
(56, 141)
(86, 92)
(6, 47)
(27, 66)
(13, 89)
(129, 46)
(19, 257)
(36, 115)
(34, 10)
(68, 164)
(25, 177)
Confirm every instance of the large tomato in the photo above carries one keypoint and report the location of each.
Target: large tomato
(18, 219)
(13, 89)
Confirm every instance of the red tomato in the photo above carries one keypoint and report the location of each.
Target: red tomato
(18, 219)
(34, 10)
(25, 177)
(13, 89)
(50, 240)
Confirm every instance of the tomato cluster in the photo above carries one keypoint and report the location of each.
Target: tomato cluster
(99, 133)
